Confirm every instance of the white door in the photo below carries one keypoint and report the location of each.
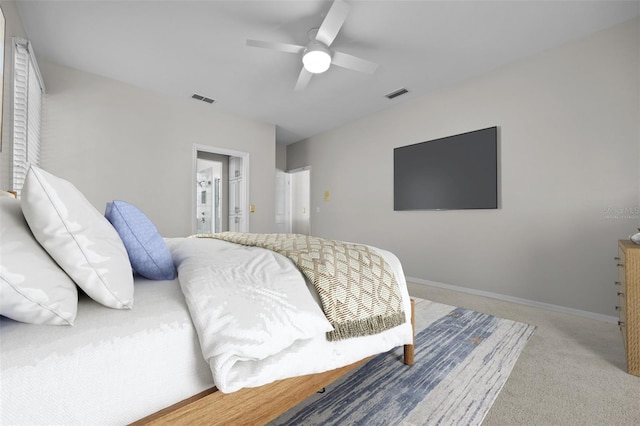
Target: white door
(301, 201)
(283, 202)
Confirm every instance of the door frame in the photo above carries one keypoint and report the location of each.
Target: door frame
(245, 172)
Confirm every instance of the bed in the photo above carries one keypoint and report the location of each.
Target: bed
(147, 362)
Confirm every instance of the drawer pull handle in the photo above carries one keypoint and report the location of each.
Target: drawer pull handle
(621, 323)
(616, 258)
(617, 283)
(620, 293)
(620, 265)
(618, 308)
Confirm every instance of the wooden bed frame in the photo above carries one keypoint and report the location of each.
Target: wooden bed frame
(253, 406)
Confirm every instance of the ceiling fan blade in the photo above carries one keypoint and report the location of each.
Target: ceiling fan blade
(333, 22)
(345, 60)
(303, 79)
(282, 47)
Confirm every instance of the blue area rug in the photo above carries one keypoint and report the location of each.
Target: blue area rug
(462, 360)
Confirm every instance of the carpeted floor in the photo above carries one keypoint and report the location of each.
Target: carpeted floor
(571, 372)
(463, 358)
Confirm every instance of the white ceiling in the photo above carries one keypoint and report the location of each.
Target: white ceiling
(183, 47)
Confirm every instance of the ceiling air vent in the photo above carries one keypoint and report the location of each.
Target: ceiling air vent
(202, 98)
(396, 93)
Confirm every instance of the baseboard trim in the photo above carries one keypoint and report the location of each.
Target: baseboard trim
(521, 301)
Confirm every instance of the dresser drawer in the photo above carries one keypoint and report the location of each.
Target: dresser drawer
(622, 313)
(623, 329)
(621, 272)
(621, 307)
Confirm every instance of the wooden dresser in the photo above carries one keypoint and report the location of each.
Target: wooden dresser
(629, 302)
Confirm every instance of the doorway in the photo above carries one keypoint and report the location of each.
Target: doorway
(212, 197)
(220, 198)
(293, 201)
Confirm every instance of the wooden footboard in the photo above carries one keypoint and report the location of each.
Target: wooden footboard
(252, 406)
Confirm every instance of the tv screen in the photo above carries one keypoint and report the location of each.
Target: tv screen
(453, 173)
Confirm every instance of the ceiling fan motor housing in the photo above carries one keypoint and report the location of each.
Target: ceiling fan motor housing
(316, 57)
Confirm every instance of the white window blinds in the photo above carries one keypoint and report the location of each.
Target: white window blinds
(28, 90)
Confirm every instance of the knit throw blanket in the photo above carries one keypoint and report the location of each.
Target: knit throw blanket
(358, 290)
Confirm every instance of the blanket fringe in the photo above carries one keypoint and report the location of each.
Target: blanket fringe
(365, 327)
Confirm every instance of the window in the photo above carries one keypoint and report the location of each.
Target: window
(28, 90)
(2, 31)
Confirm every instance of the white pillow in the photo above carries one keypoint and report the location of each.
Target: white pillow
(78, 237)
(33, 288)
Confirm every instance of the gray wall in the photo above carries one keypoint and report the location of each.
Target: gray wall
(115, 141)
(570, 176)
(281, 156)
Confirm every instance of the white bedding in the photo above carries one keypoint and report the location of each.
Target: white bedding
(116, 366)
(112, 367)
(257, 320)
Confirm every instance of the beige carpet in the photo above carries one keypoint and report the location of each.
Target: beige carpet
(572, 371)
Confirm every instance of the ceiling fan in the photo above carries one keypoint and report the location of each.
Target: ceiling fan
(316, 55)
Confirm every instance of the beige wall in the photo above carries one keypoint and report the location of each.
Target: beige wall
(115, 141)
(569, 151)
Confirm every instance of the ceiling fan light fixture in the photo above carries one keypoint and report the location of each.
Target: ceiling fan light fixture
(316, 58)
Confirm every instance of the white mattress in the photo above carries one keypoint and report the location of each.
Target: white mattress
(111, 367)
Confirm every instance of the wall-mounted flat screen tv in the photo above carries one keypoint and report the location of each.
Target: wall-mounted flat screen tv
(452, 173)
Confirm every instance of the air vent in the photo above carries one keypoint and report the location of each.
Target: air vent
(202, 98)
(397, 93)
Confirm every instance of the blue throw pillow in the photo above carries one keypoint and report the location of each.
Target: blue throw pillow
(148, 253)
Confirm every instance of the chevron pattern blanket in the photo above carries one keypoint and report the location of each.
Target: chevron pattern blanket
(358, 290)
